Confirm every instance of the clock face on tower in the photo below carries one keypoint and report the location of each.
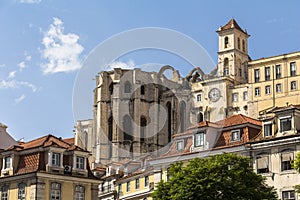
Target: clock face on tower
(214, 94)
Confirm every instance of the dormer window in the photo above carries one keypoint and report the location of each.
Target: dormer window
(199, 139)
(268, 129)
(235, 135)
(285, 124)
(56, 159)
(7, 162)
(79, 162)
(179, 145)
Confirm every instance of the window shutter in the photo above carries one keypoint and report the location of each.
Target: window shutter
(262, 162)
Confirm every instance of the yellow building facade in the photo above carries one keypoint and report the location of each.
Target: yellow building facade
(274, 82)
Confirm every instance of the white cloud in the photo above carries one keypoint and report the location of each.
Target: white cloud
(17, 84)
(30, 1)
(62, 51)
(2, 65)
(22, 65)
(12, 74)
(19, 99)
(124, 65)
(28, 57)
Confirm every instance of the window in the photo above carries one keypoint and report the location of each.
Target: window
(268, 129)
(4, 192)
(238, 43)
(21, 191)
(262, 164)
(137, 184)
(245, 96)
(235, 135)
(179, 145)
(56, 159)
(267, 73)
(278, 71)
(278, 87)
(226, 67)
(240, 71)
(256, 75)
(257, 91)
(268, 89)
(79, 192)
(235, 97)
(226, 42)
(285, 124)
(127, 88)
(55, 193)
(120, 190)
(288, 195)
(79, 162)
(128, 186)
(7, 162)
(146, 181)
(199, 139)
(293, 68)
(198, 97)
(293, 85)
(287, 159)
(200, 117)
(143, 124)
(243, 45)
(142, 90)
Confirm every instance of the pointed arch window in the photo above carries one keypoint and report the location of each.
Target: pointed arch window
(109, 136)
(182, 116)
(143, 124)
(169, 113)
(127, 128)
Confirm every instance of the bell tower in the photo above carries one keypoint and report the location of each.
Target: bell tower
(233, 52)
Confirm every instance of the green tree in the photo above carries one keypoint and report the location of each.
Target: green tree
(225, 176)
(296, 166)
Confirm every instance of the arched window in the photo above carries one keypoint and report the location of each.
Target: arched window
(238, 43)
(200, 117)
(182, 116)
(169, 120)
(79, 192)
(143, 124)
(226, 42)
(21, 191)
(109, 136)
(226, 67)
(127, 128)
(243, 45)
(127, 88)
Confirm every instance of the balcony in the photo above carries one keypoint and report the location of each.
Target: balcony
(107, 190)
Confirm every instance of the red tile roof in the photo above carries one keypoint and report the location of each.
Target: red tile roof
(237, 120)
(232, 24)
(69, 140)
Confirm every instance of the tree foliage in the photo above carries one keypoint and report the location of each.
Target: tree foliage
(296, 166)
(225, 176)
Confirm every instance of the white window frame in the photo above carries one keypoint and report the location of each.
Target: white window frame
(268, 89)
(289, 196)
(7, 162)
(293, 69)
(80, 162)
(235, 135)
(199, 139)
(267, 73)
(293, 85)
(137, 184)
(21, 191)
(278, 71)
(245, 96)
(278, 87)
(79, 192)
(5, 192)
(268, 124)
(56, 159)
(55, 191)
(235, 97)
(285, 118)
(146, 181)
(179, 145)
(256, 75)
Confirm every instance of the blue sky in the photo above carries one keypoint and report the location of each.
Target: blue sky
(43, 45)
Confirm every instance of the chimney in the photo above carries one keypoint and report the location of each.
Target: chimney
(3, 126)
